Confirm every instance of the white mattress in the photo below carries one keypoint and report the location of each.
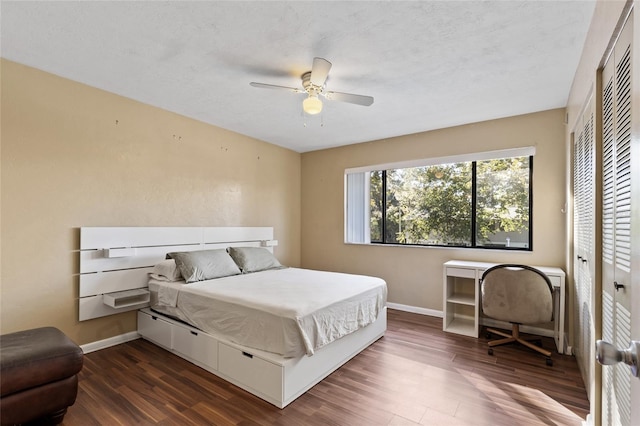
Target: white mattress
(289, 311)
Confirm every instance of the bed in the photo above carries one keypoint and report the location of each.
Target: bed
(295, 328)
(290, 311)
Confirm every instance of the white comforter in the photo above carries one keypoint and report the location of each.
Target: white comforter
(287, 311)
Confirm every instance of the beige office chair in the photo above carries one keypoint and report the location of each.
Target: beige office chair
(518, 294)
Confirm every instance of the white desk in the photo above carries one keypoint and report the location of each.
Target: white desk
(461, 298)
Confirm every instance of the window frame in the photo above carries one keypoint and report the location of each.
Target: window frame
(472, 158)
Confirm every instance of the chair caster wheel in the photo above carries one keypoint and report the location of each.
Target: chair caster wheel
(549, 362)
(490, 351)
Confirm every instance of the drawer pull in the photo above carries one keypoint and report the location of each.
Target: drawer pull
(248, 355)
(194, 333)
(154, 318)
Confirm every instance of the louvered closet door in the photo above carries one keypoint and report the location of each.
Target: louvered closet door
(616, 226)
(584, 247)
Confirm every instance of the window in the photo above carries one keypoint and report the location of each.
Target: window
(480, 200)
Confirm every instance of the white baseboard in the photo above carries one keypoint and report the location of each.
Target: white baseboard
(483, 321)
(111, 341)
(415, 309)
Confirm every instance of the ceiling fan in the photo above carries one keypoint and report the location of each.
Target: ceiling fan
(313, 84)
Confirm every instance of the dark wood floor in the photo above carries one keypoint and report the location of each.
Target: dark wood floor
(416, 374)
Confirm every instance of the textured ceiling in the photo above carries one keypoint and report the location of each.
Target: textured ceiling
(428, 64)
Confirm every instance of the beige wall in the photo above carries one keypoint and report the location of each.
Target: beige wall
(414, 274)
(76, 156)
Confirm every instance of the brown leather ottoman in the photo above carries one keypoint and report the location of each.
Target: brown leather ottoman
(38, 376)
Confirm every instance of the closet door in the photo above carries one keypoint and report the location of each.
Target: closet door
(584, 183)
(616, 228)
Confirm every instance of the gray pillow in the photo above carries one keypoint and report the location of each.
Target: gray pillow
(204, 264)
(166, 270)
(253, 259)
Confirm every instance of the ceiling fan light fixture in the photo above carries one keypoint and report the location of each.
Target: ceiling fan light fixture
(312, 105)
(313, 84)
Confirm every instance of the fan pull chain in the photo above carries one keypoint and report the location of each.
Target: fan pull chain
(305, 116)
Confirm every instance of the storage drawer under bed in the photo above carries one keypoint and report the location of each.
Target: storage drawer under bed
(189, 342)
(195, 345)
(155, 329)
(251, 371)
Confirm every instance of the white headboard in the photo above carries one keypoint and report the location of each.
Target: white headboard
(115, 261)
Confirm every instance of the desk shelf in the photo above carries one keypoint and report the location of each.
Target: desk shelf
(461, 325)
(462, 299)
(460, 305)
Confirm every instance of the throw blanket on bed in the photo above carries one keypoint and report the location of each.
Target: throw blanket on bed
(287, 311)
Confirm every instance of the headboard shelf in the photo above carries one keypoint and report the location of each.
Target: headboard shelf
(127, 298)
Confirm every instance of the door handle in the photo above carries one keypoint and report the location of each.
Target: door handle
(607, 354)
(617, 285)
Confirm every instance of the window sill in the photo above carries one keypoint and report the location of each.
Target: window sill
(482, 249)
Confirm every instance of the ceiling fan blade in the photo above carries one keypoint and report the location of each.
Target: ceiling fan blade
(348, 97)
(273, 86)
(319, 71)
